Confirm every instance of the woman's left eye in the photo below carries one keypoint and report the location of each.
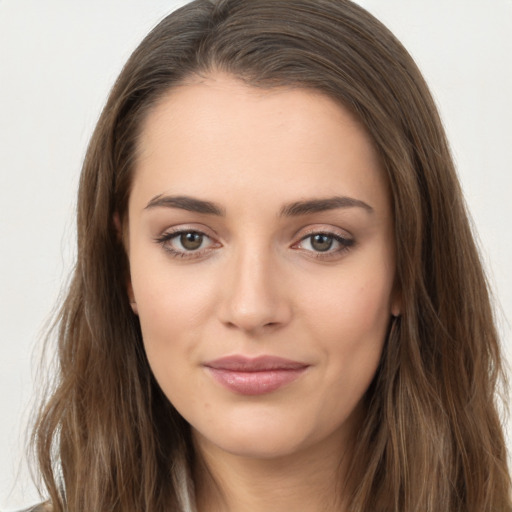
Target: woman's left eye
(324, 243)
(185, 243)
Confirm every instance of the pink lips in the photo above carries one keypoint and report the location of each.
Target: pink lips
(256, 376)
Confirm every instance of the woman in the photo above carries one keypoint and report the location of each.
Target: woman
(277, 302)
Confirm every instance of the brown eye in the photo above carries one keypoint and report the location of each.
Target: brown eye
(191, 241)
(324, 244)
(187, 243)
(321, 242)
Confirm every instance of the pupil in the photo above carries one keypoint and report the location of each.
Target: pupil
(191, 241)
(321, 242)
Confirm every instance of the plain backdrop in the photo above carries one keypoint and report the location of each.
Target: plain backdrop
(58, 60)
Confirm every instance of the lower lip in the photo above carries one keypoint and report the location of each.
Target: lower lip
(257, 382)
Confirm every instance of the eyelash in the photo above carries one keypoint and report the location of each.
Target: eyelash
(345, 244)
(167, 237)
(164, 239)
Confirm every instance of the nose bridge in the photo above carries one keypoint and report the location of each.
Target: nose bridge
(254, 294)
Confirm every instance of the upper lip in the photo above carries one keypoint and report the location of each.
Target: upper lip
(239, 363)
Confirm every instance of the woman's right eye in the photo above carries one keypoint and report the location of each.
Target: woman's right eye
(190, 241)
(185, 243)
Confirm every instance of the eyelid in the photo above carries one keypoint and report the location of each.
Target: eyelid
(323, 228)
(174, 231)
(346, 241)
(187, 228)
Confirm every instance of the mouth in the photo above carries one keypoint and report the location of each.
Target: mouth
(254, 376)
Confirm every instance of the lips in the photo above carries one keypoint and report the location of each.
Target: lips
(254, 376)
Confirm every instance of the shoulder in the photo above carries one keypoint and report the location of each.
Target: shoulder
(42, 507)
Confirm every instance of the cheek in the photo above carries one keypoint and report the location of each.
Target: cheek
(173, 308)
(349, 317)
(353, 305)
(169, 295)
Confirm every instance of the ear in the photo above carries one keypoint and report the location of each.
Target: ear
(396, 301)
(131, 296)
(121, 239)
(116, 220)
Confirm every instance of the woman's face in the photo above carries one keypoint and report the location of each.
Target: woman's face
(260, 241)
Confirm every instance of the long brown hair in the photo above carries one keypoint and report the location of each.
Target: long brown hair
(107, 439)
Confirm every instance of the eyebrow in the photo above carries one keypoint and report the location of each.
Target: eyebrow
(190, 204)
(320, 205)
(294, 209)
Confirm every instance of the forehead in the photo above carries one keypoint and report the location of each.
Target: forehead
(210, 135)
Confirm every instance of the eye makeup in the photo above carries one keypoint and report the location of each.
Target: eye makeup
(190, 243)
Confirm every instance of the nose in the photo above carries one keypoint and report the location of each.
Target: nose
(255, 299)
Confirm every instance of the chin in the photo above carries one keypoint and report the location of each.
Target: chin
(266, 438)
(261, 434)
(253, 445)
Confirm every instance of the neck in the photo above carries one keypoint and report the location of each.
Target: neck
(311, 480)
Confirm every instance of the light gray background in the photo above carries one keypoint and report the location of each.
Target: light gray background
(58, 60)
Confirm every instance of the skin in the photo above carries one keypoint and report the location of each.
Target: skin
(258, 285)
